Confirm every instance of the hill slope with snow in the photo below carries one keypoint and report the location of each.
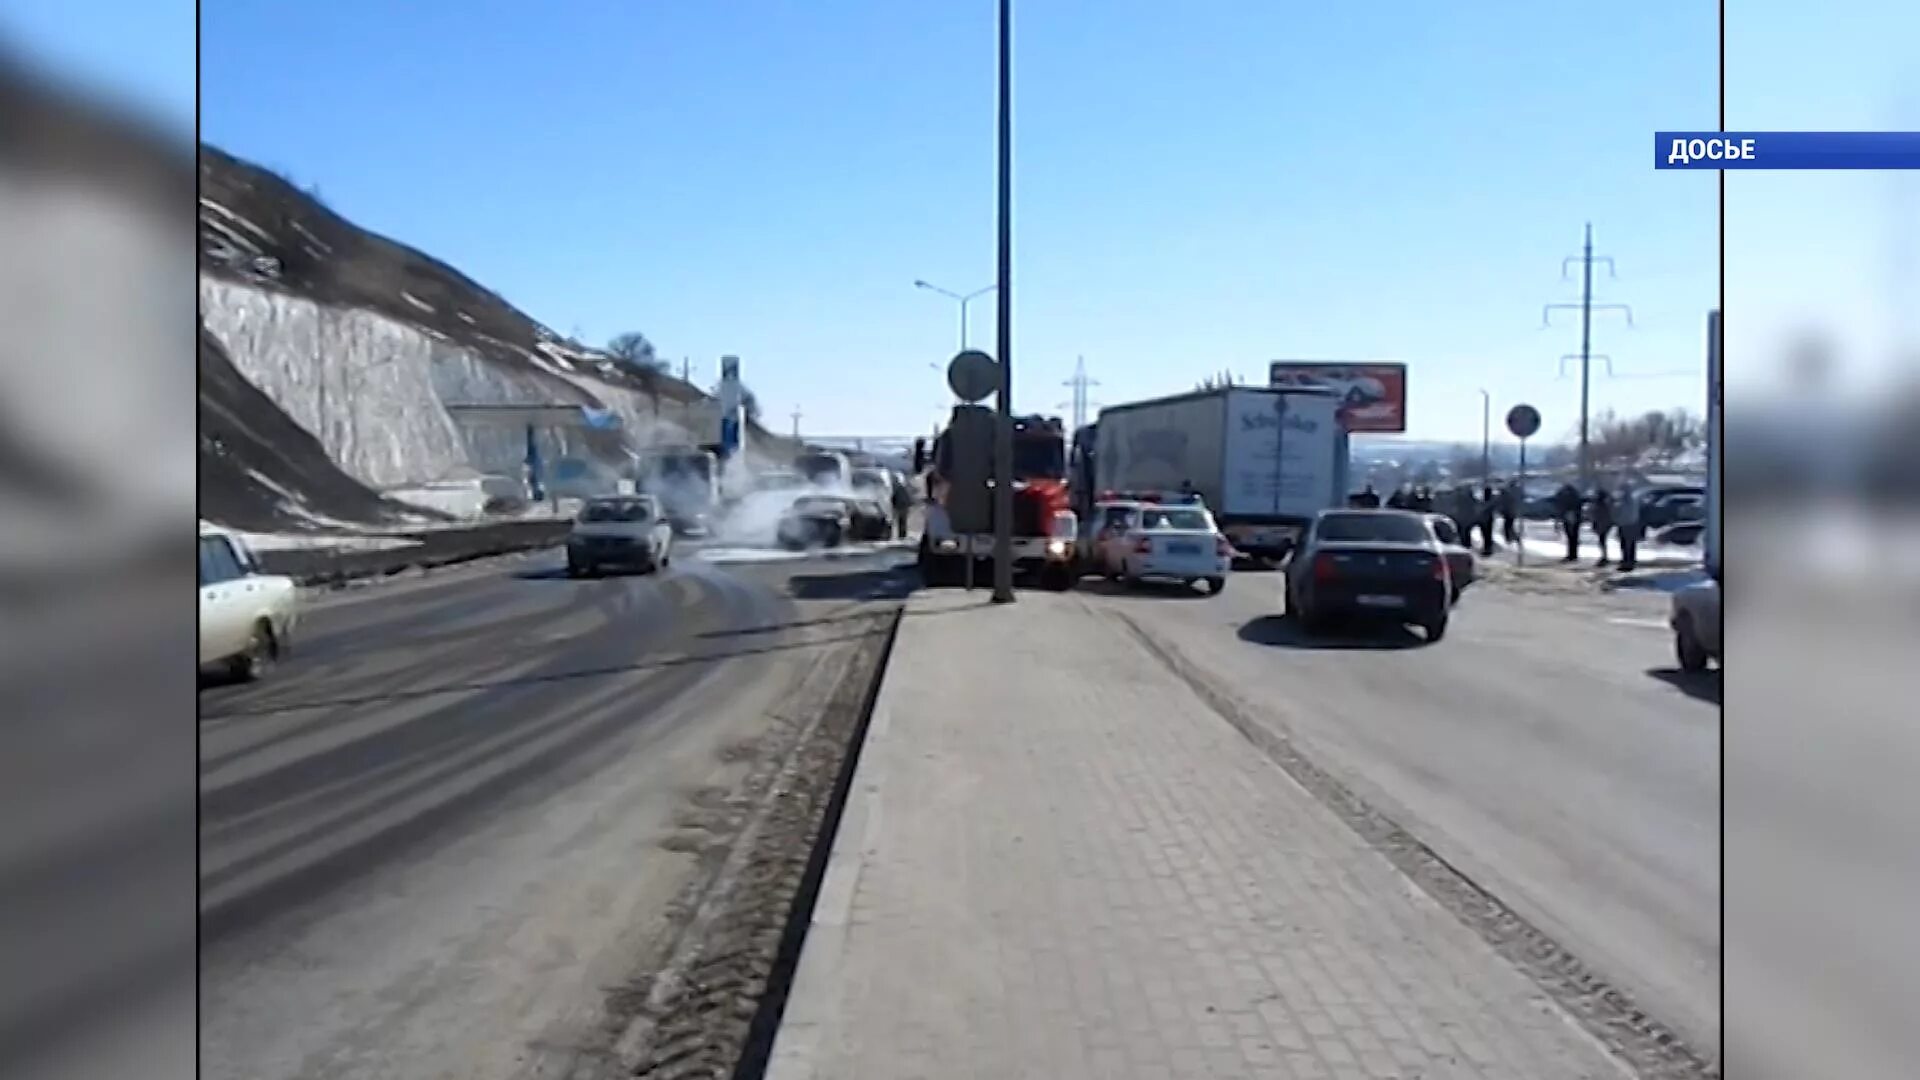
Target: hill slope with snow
(370, 349)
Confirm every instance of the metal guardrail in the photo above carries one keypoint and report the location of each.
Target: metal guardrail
(430, 548)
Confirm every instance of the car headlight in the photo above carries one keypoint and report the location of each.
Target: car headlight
(948, 545)
(1056, 547)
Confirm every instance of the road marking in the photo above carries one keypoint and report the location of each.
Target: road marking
(1651, 624)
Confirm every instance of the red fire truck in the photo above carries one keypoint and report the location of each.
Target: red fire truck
(1044, 524)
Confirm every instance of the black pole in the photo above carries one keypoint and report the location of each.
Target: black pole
(1586, 355)
(1003, 429)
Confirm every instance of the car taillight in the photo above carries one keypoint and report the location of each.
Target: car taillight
(1222, 547)
(1325, 568)
(1439, 569)
(1143, 546)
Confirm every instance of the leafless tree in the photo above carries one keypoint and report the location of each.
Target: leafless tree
(635, 351)
(1618, 440)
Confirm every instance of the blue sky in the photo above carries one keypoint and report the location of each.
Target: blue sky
(1197, 186)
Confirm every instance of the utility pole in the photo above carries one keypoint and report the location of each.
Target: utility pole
(1003, 428)
(1586, 307)
(1079, 383)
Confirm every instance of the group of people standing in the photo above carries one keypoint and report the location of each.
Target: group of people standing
(1472, 511)
(1609, 513)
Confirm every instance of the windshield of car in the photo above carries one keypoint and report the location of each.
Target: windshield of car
(1377, 528)
(1183, 519)
(624, 510)
(817, 465)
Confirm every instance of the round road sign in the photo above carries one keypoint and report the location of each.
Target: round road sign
(973, 375)
(1523, 421)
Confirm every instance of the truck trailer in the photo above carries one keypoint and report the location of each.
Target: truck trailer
(1265, 460)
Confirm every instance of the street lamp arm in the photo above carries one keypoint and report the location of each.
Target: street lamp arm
(931, 287)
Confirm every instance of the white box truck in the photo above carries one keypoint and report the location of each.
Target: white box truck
(1265, 459)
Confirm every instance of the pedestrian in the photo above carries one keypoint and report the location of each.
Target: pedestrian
(902, 506)
(1566, 507)
(1489, 503)
(1422, 500)
(1466, 511)
(1600, 511)
(1626, 515)
(1510, 513)
(1398, 500)
(1368, 499)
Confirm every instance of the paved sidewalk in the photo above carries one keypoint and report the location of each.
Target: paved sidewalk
(1057, 862)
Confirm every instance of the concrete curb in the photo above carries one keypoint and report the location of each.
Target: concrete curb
(814, 998)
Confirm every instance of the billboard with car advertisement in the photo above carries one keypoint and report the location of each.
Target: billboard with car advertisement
(1373, 396)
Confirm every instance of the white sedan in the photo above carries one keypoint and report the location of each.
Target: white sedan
(625, 531)
(1143, 541)
(246, 617)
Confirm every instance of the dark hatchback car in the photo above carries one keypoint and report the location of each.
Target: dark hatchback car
(832, 520)
(1381, 565)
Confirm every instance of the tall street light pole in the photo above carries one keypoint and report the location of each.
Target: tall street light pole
(975, 294)
(1003, 430)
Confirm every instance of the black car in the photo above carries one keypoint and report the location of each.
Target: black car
(832, 520)
(1377, 564)
(1672, 506)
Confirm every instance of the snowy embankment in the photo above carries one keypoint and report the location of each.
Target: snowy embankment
(376, 392)
(392, 374)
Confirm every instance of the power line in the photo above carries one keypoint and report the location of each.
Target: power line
(1586, 307)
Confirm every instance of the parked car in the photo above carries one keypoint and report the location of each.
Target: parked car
(1141, 541)
(622, 531)
(1696, 622)
(832, 520)
(1460, 561)
(1376, 564)
(1671, 506)
(247, 617)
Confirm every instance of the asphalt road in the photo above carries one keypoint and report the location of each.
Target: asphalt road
(1547, 747)
(436, 839)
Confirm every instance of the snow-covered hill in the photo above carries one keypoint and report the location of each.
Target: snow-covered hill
(371, 347)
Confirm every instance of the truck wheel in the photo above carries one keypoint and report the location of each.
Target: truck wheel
(1059, 577)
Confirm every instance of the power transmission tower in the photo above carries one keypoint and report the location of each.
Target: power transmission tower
(1586, 307)
(796, 421)
(1080, 383)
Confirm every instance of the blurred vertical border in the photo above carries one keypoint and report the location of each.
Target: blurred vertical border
(97, 475)
(1820, 734)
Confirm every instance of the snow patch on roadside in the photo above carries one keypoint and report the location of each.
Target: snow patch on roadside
(323, 542)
